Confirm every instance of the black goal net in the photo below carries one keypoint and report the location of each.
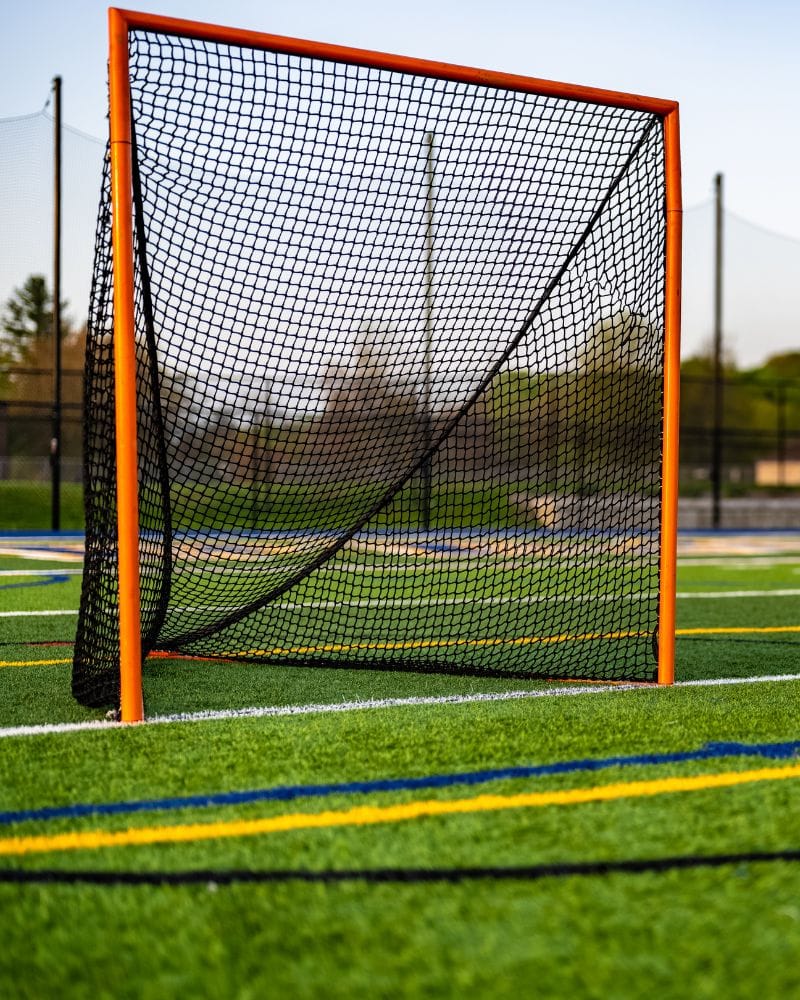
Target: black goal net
(400, 350)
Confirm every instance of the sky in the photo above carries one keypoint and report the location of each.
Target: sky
(733, 66)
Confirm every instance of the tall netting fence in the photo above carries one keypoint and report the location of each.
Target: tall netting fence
(761, 292)
(27, 369)
(400, 367)
(757, 480)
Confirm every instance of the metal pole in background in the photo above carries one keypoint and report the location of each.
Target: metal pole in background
(716, 452)
(55, 441)
(427, 474)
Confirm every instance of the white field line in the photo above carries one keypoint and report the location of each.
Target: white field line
(400, 602)
(420, 602)
(280, 711)
(42, 555)
(417, 602)
(740, 562)
(716, 594)
(36, 614)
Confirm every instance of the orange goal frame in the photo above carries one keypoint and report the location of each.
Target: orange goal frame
(120, 23)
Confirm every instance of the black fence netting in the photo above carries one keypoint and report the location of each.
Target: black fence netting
(400, 364)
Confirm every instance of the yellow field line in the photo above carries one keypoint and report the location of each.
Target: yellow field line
(347, 647)
(32, 663)
(371, 815)
(525, 640)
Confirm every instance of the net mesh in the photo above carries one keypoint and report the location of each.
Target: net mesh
(400, 365)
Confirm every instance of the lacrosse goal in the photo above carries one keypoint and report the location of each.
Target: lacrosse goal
(382, 367)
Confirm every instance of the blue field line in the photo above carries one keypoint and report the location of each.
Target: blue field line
(40, 581)
(17, 533)
(284, 793)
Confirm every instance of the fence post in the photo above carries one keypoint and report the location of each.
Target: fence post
(716, 448)
(55, 440)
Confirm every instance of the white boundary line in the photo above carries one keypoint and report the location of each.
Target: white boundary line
(403, 602)
(718, 594)
(43, 555)
(279, 711)
(35, 614)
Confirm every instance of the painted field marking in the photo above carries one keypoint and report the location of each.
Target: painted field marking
(41, 572)
(33, 663)
(282, 711)
(37, 614)
(418, 602)
(347, 647)
(529, 640)
(443, 643)
(288, 793)
(739, 561)
(742, 630)
(423, 602)
(373, 815)
(721, 594)
(58, 554)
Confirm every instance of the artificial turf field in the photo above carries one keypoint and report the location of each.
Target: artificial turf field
(567, 840)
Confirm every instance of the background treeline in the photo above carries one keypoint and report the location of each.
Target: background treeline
(591, 424)
(760, 410)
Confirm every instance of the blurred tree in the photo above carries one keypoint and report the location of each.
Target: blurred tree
(27, 318)
(210, 436)
(779, 378)
(610, 428)
(35, 381)
(782, 366)
(755, 404)
(514, 418)
(373, 422)
(27, 386)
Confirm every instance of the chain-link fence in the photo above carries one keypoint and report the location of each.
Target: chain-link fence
(756, 483)
(27, 404)
(760, 448)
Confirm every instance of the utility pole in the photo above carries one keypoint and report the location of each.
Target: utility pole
(716, 447)
(427, 472)
(55, 441)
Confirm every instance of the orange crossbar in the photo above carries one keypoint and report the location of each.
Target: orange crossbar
(382, 60)
(123, 21)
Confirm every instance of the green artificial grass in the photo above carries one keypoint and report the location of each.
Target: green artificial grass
(600, 936)
(28, 506)
(667, 936)
(732, 931)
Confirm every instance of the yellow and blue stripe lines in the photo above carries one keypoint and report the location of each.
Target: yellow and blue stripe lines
(369, 815)
(287, 793)
(360, 816)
